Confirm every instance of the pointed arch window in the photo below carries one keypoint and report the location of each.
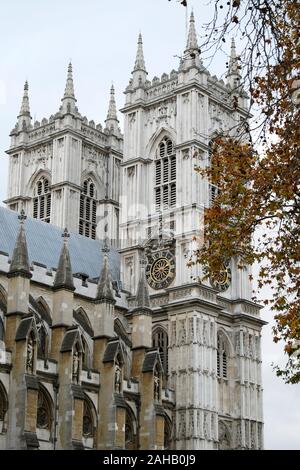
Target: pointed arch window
(222, 358)
(42, 341)
(88, 210)
(130, 435)
(88, 420)
(42, 200)
(3, 403)
(165, 176)
(44, 416)
(160, 342)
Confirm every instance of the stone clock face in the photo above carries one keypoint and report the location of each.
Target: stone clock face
(160, 270)
(221, 280)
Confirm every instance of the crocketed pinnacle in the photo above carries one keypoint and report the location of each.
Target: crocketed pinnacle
(233, 61)
(20, 260)
(112, 108)
(192, 43)
(104, 289)
(142, 293)
(140, 61)
(64, 277)
(25, 108)
(69, 89)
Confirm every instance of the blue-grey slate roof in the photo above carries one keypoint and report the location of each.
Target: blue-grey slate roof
(44, 243)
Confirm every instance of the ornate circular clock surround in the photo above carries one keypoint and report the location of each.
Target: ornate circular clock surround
(160, 269)
(221, 279)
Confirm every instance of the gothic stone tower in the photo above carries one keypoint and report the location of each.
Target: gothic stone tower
(211, 330)
(66, 170)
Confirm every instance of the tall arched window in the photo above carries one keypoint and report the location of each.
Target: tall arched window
(221, 358)
(3, 404)
(42, 342)
(88, 420)
(165, 176)
(130, 434)
(42, 200)
(160, 342)
(88, 210)
(44, 417)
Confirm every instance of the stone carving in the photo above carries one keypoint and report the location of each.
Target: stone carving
(131, 171)
(182, 332)
(75, 367)
(199, 424)
(239, 436)
(173, 333)
(118, 376)
(30, 355)
(186, 154)
(257, 347)
(237, 343)
(191, 423)
(180, 294)
(191, 329)
(224, 437)
(156, 385)
(181, 425)
(205, 332)
(206, 426)
(253, 436)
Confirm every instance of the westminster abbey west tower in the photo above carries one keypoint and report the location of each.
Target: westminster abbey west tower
(107, 339)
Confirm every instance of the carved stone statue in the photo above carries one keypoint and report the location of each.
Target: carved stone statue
(156, 386)
(75, 367)
(30, 356)
(117, 377)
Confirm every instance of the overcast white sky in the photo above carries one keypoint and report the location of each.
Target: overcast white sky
(38, 38)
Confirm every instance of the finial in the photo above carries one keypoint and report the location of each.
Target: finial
(140, 61)
(192, 43)
(25, 109)
(105, 248)
(112, 108)
(64, 277)
(69, 89)
(22, 216)
(233, 73)
(65, 235)
(20, 260)
(104, 288)
(142, 293)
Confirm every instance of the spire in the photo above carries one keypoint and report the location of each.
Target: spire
(69, 100)
(24, 117)
(142, 293)
(112, 118)
(25, 109)
(69, 90)
(139, 65)
(233, 74)
(192, 43)
(104, 288)
(20, 260)
(64, 277)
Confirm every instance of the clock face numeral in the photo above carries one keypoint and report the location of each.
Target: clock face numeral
(160, 270)
(221, 279)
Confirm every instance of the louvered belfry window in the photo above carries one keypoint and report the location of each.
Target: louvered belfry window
(165, 176)
(160, 342)
(42, 200)
(88, 210)
(221, 358)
